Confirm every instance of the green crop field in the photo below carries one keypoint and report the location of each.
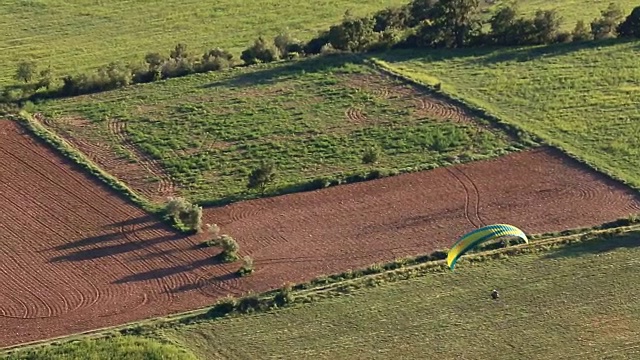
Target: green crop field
(313, 118)
(76, 35)
(581, 97)
(577, 302)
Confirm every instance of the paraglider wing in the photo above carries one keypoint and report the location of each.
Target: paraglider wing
(478, 236)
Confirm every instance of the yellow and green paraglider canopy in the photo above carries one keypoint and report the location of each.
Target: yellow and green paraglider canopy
(478, 236)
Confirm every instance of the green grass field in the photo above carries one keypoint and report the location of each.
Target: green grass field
(76, 35)
(313, 119)
(581, 97)
(573, 302)
(118, 348)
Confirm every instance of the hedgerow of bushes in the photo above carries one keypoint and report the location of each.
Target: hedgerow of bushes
(418, 24)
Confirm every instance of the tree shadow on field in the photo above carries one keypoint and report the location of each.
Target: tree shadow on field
(133, 221)
(169, 271)
(200, 284)
(494, 55)
(282, 72)
(121, 242)
(120, 230)
(604, 244)
(523, 54)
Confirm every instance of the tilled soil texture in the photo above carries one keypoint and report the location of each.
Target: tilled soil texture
(141, 172)
(75, 257)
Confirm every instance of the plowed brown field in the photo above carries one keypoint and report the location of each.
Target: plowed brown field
(74, 256)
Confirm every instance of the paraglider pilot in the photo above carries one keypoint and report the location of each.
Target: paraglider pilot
(494, 294)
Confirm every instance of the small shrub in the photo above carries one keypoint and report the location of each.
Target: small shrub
(581, 32)
(371, 155)
(284, 296)
(213, 230)
(183, 213)
(260, 51)
(260, 177)
(223, 307)
(249, 304)
(247, 266)
(229, 249)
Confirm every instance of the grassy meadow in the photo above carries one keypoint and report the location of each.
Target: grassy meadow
(73, 36)
(545, 312)
(314, 118)
(582, 97)
(76, 35)
(120, 348)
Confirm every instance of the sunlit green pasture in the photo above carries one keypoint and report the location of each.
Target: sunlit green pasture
(75, 35)
(578, 302)
(581, 97)
(313, 119)
(120, 348)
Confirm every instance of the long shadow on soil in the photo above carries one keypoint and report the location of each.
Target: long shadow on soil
(122, 242)
(599, 246)
(494, 55)
(287, 71)
(198, 285)
(169, 271)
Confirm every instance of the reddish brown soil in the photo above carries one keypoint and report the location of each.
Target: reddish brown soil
(75, 257)
(144, 175)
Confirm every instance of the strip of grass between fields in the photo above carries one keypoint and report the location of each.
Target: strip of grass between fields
(341, 283)
(77, 157)
(433, 84)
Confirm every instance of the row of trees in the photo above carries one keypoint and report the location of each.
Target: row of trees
(421, 24)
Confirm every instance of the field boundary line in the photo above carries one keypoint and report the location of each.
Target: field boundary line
(410, 271)
(482, 112)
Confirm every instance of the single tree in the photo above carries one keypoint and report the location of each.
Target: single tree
(25, 71)
(261, 176)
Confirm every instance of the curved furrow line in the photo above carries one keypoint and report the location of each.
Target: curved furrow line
(355, 115)
(166, 186)
(78, 179)
(221, 285)
(53, 270)
(477, 196)
(241, 211)
(36, 304)
(166, 283)
(466, 198)
(82, 300)
(440, 109)
(74, 194)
